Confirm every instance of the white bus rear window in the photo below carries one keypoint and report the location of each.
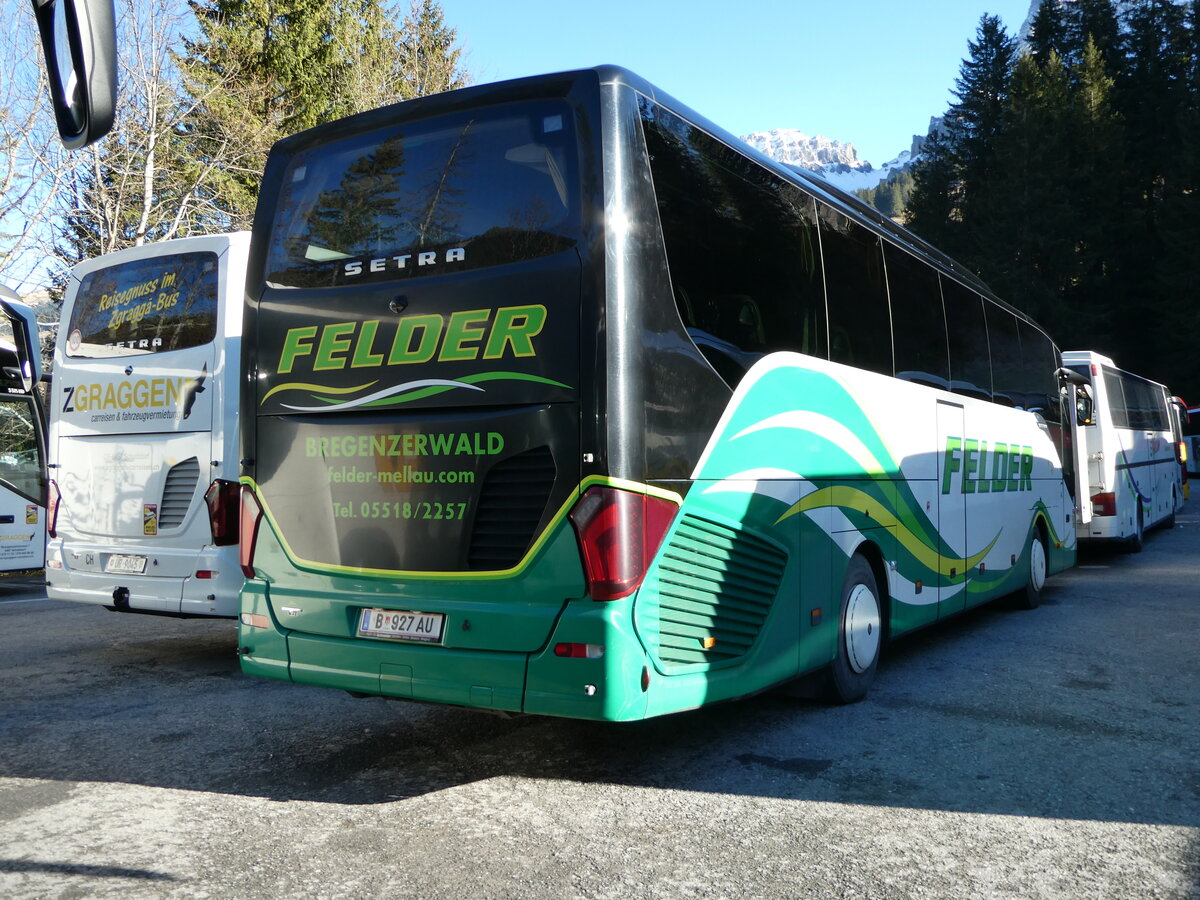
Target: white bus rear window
(145, 306)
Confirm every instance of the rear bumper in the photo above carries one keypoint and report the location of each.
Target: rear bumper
(1106, 528)
(172, 594)
(609, 688)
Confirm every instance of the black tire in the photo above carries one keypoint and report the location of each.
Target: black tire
(1137, 540)
(860, 633)
(1030, 596)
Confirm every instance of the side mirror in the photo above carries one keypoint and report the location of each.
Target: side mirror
(79, 40)
(1084, 408)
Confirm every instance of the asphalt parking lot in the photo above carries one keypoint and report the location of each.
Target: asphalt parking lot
(1044, 754)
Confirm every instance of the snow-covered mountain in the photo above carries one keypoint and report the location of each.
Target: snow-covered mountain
(836, 161)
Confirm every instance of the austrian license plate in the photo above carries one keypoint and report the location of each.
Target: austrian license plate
(401, 625)
(125, 565)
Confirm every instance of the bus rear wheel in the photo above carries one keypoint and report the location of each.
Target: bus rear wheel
(860, 633)
(1137, 540)
(1030, 596)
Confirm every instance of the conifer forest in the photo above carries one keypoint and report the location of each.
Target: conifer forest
(1066, 175)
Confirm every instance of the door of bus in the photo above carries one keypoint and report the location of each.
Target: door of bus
(1079, 412)
(22, 440)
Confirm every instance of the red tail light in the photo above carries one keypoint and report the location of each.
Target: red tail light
(1104, 504)
(251, 517)
(579, 651)
(53, 498)
(619, 532)
(222, 500)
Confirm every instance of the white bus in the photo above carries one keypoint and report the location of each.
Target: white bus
(22, 440)
(143, 430)
(1134, 452)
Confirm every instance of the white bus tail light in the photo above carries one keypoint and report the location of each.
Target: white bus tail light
(1181, 452)
(251, 518)
(619, 532)
(53, 498)
(1104, 504)
(222, 501)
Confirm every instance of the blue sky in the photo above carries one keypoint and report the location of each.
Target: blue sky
(869, 72)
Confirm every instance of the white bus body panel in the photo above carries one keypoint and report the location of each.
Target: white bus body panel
(135, 442)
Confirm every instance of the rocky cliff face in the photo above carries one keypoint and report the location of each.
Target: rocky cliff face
(819, 154)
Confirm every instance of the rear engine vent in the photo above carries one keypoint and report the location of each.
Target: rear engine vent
(511, 504)
(716, 586)
(178, 492)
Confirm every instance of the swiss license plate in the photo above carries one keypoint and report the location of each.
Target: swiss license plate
(401, 625)
(125, 565)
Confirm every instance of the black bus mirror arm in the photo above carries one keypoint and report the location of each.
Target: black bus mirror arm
(79, 42)
(1067, 376)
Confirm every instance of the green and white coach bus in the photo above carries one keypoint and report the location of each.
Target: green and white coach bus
(561, 400)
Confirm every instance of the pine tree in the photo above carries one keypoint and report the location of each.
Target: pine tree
(982, 90)
(1089, 212)
(1096, 20)
(263, 69)
(1025, 216)
(430, 59)
(1049, 32)
(933, 210)
(1179, 222)
(1151, 96)
(962, 163)
(1096, 143)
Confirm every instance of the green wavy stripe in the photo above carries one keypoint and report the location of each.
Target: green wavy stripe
(318, 388)
(850, 498)
(833, 401)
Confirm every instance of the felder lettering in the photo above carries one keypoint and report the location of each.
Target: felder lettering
(967, 461)
(465, 335)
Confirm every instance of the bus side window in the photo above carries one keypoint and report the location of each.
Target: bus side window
(918, 321)
(860, 327)
(1039, 363)
(1006, 355)
(741, 290)
(728, 330)
(970, 361)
